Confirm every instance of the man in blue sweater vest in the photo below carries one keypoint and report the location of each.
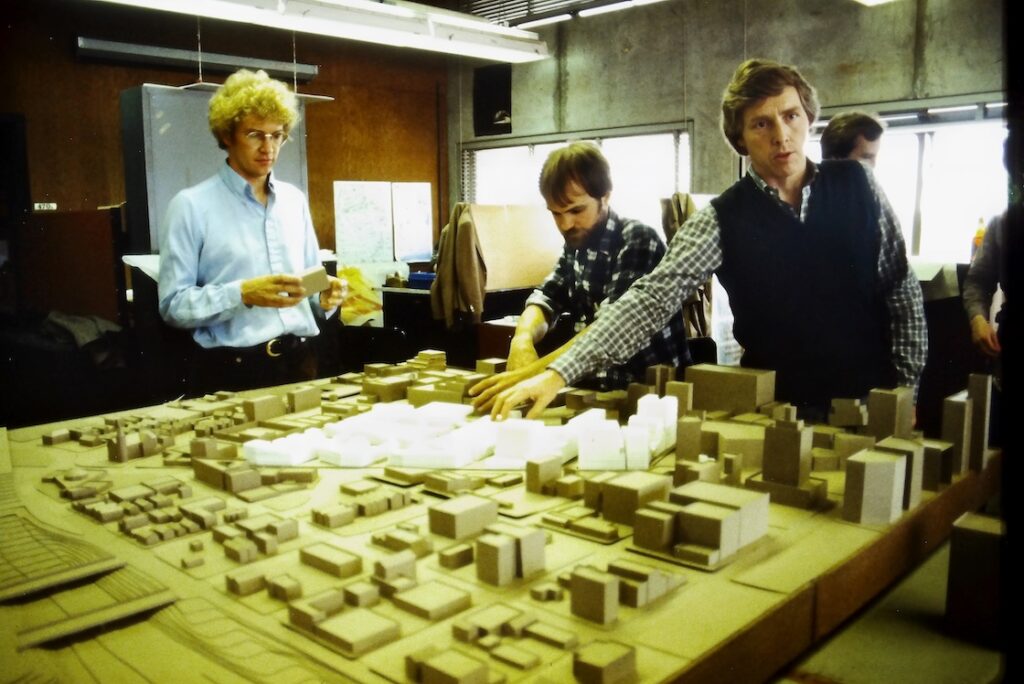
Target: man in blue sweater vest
(812, 257)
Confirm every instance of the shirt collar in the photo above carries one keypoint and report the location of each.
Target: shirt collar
(598, 240)
(239, 185)
(805, 191)
(812, 172)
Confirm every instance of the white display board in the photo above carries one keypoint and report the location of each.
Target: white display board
(382, 221)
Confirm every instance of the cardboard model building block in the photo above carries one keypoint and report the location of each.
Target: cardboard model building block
(849, 413)
(264, 408)
(654, 529)
(688, 438)
(569, 487)
(683, 392)
(810, 494)
(284, 588)
(624, 494)
(357, 631)
(455, 557)
(551, 635)
(689, 471)
(303, 399)
(314, 279)
(594, 595)
(463, 516)
(753, 506)
(593, 487)
(914, 451)
(529, 547)
(846, 444)
(306, 613)
(979, 389)
(491, 366)
(334, 516)
(938, 464)
(824, 436)
(331, 559)
(787, 453)
(547, 591)
(891, 413)
(401, 564)
(244, 582)
(974, 591)
(542, 472)
(730, 388)
(634, 392)
(604, 662)
(453, 667)
(361, 594)
(710, 525)
(433, 601)
(957, 410)
(495, 559)
(874, 487)
(746, 439)
(732, 469)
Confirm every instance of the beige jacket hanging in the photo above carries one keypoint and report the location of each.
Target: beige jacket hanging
(457, 293)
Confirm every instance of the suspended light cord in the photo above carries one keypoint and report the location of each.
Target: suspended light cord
(295, 67)
(199, 45)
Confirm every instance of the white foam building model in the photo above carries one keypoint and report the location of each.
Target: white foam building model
(290, 450)
(603, 444)
(442, 435)
(436, 435)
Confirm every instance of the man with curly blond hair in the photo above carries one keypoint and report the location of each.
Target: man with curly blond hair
(233, 248)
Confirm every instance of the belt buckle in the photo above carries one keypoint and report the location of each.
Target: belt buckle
(271, 347)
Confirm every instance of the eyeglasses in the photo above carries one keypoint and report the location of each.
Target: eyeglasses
(256, 138)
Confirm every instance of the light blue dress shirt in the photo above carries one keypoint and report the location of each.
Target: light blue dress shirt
(216, 235)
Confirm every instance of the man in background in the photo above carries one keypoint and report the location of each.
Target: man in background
(852, 135)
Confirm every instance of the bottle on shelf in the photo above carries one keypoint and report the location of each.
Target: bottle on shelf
(979, 237)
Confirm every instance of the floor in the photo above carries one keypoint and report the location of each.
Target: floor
(900, 638)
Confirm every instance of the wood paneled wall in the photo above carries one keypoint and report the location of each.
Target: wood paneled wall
(386, 121)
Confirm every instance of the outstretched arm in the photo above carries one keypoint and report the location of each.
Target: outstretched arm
(489, 388)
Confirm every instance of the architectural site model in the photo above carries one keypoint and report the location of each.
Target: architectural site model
(372, 528)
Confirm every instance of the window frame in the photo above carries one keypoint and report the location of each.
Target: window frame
(923, 118)
(467, 165)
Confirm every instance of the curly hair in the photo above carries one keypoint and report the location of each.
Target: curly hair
(246, 92)
(578, 161)
(755, 80)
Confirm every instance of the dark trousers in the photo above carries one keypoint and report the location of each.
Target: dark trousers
(280, 361)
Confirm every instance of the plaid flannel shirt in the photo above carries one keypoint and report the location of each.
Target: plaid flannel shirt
(586, 279)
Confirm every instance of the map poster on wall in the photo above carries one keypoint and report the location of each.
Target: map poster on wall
(414, 224)
(362, 221)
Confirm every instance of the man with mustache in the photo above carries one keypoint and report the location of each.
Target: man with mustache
(604, 254)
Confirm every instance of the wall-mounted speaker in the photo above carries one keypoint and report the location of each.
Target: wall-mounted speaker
(492, 99)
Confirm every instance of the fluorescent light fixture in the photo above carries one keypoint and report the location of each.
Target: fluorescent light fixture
(544, 21)
(898, 117)
(605, 9)
(951, 110)
(389, 22)
(595, 10)
(872, 3)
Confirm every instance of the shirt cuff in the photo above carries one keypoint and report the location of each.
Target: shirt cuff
(538, 299)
